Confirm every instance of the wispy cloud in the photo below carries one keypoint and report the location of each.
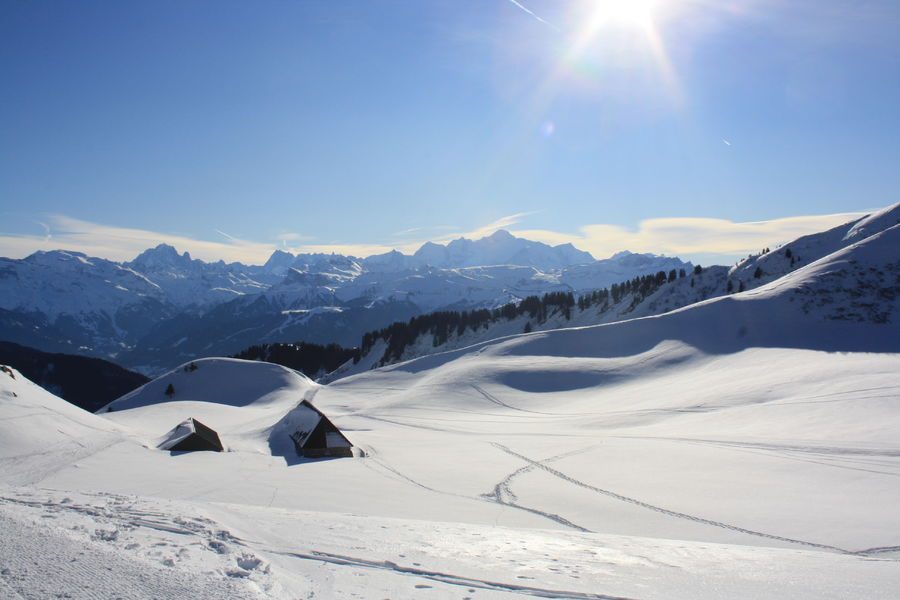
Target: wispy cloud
(410, 240)
(293, 236)
(485, 230)
(124, 243)
(689, 237)
(421, 230)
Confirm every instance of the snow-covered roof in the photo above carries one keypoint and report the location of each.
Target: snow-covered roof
(177, 434)
(301, 422)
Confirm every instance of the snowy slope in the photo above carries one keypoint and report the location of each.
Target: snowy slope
(807, 249)
(866, 293)
(541, 465)
(744, 447)
(41, 432)
(243, 401)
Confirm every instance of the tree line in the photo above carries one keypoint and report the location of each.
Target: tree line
(314, 359)
(442, 324)
(310, 359)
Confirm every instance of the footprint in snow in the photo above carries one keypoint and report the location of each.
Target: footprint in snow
(237, 573)
(248, 562)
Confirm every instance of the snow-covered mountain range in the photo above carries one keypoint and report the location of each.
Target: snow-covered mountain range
(742, 446)
(164, 307)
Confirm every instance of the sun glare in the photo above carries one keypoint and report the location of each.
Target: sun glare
(622, 30)
(623, 13)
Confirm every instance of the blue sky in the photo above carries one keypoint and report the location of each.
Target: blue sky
(231, 128)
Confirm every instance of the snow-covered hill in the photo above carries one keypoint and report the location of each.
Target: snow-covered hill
(768, 266)
(244, 401)
(864, 288)
(744, 447)
(44, 429)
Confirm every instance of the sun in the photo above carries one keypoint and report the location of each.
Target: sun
(609, 36)
(638, 14)
(621, 25)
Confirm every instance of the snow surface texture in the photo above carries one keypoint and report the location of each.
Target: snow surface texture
(742, 447)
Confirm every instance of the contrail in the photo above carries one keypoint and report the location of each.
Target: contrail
(230, 238)
(530, 12)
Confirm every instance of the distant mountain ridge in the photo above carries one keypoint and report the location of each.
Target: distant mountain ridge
(165, 307)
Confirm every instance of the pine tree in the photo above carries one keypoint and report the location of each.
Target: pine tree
(170, 390)
(527, 327)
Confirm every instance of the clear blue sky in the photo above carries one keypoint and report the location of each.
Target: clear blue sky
(322, 122)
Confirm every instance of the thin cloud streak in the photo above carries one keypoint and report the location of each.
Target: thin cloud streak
(411, 246)
(124, 243)
(690, 237)
(532, 13)
(687, 237)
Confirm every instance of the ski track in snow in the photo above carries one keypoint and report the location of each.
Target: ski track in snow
(505, 497)
(503, 494)
(493, 399)
(341, 560)
(828, 450)
(672, 513)
(829, 455)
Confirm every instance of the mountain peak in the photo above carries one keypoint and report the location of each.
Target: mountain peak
(162, 255)
(501, 234)
(279, 261)
(500, 248)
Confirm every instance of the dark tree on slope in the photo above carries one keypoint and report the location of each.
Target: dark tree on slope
(88, 383)
(441, 325)
(170, 390)
(312, 360)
